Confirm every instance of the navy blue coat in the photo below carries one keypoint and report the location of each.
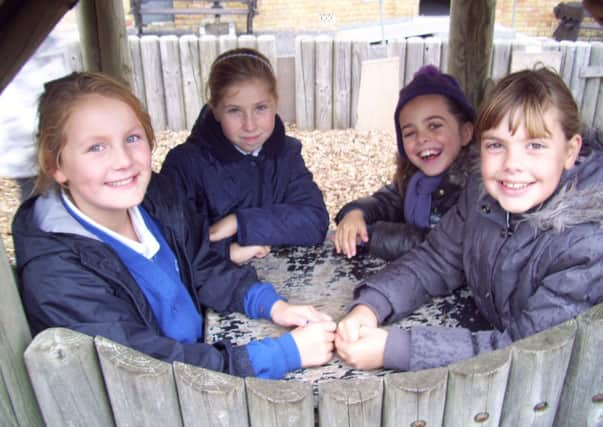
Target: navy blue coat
(273, 195)
(70, 280)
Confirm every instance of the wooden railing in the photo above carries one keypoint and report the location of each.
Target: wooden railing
(551, 378)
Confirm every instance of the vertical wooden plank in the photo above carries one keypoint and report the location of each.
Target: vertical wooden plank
(581, 403)
(17, 401)
(279, 403)
(410, 398)
(141, 389)
(433, 51)
(267, 45)
(471, 34)
(208, 51)
(304, 82)
(210, 398)
(360, 50)
(342, 80)
(476, 390)
(397, 47)
(568, 49)
(445, 55)
(153, 81)
(191, 78)
(537, 374)
(73, 55)
(137, 68)
(414, 57)
(593, 88)
(226, 42)
(350, 402)
(577, 83)
(67, 379)
(172, 82)
(501, 58)
(324, 83)
(248, 41)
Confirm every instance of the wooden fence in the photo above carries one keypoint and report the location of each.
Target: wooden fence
(170, 72)
(552, 378)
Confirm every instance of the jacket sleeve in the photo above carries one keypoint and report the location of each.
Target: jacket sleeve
(383, 205)
(391, 240)
(300, 219)
(434, 268)
(571, 285)
(69, 295)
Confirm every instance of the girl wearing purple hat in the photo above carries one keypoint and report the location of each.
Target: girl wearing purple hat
(434, 125)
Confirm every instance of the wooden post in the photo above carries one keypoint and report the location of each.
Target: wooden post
(17, 402)
(413, 397)
(577, 82)
(360, 51)
(324, 83)
(476, 389)
(304, 82)
(153, 80)
(581, 403)
(137, 67)
(471, 34)
(267, 46)
(433, 51)
(279, 403)
(397, 47)
(226, 42)
(208, 51)
(537, 373)
(342, 80)
(191, 78)
(210, 398)
(67, 378)
(248, 41)
(350, 402)
(102, 27)
(172, 82)
(501, 59)
(141, 389)
(414, 57)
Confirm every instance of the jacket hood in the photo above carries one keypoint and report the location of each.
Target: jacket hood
(208, 131)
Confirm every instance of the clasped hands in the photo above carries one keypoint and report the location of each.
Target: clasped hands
(357, 339)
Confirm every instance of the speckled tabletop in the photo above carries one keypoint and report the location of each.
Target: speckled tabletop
(318, 276)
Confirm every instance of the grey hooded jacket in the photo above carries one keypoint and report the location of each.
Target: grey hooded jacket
(526, 272)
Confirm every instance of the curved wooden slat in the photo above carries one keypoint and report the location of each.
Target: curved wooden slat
(350, 402)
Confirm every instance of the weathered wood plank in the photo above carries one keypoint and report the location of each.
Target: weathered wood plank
(17, 402)
(476, 390)
(304, 82)
(324, 83)
(267, 45)
(577, 82)
(210, 398)
(350, 402)
(342, 80)
(248, 41)
(397, 47)
(433, 51)
(191, 78)
(153, 79)
(415, 397)
(471, 34)
(414, 57)
(538, 368)
(592, 87)
(501, 59)
(73, 55)
(226, 42)
(279, 403)
(137, 68)
(208, 51)
(141, 389)
(568, 49)
(360, 51)
(67, 379)
(445, 55)
(172, 82)
(581, 403)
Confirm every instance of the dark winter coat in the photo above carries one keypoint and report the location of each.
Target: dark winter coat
(526, 272)
(69, 278)
(273, 195)
(389, 234)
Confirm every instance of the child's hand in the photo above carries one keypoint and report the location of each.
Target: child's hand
(366, 352)
(239, 254)
(351, 230)
(315, 343)
(285, 314)
(348, 328)
(224, 228)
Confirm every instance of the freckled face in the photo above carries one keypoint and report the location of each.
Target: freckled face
(247, 114)
(432, 136)
(106, 159)
(520, 171)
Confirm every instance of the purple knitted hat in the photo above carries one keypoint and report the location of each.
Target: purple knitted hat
(429, 80)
